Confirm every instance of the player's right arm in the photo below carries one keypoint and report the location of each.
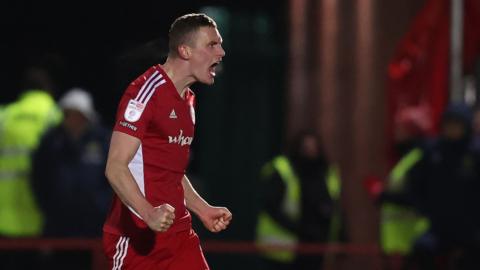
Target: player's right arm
(122, 149)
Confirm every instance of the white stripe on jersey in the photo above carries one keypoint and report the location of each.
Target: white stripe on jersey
(154, 88)
(136, 168)
(150, 88)
(147, 82)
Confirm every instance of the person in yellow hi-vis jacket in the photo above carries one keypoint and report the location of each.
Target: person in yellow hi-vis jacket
(22, 124)
(300, 198)
(401, 224)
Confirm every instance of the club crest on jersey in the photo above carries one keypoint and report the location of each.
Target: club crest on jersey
(134, 110)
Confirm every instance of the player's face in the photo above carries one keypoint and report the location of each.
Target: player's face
(206, 54)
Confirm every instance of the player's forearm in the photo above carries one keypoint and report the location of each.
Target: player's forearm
(193, 200)
(127, 190)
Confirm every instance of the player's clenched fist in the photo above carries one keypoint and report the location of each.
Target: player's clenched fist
(216, 219)
(161, 217)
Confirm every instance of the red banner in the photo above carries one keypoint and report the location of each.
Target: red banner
(418, 73)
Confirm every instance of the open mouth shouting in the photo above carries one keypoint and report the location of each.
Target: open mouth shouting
(213, 68)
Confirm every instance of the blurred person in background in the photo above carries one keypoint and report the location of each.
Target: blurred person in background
(300, 204)
(400, 223)
(22, 124)
(68, 171)
(446, 188)
(149, 226)
(68, 179)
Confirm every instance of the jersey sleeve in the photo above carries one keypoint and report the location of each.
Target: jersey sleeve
(133, 116)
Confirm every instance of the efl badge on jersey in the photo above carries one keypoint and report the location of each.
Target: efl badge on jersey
(134, 110)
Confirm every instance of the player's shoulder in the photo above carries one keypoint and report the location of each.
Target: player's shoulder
(145, 85)
(150, 74)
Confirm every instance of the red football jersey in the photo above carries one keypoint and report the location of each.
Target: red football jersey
(152, 110)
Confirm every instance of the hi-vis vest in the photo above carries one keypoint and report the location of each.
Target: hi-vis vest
(269, 232)
(21, 125)
(401, 225)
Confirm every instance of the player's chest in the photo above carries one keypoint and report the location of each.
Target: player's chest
(173, 117)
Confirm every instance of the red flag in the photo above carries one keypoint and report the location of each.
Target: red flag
(418, 74)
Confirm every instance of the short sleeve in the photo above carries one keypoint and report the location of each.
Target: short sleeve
(133, 116)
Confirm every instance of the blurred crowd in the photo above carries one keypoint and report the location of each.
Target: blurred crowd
(428, 215)
(53, 150)
(52, 162)
(52, 184)
(427, 202)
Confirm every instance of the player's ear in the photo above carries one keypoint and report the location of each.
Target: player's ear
(184, 51)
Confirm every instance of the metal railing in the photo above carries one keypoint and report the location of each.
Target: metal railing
(94, 246)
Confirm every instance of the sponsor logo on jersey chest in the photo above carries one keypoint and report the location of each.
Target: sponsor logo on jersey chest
(180, 139)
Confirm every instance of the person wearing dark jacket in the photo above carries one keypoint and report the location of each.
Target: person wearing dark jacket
(68, 171)
(446, 191)
(299, 204)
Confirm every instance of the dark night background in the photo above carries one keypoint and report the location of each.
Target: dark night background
(102, 46)
(289, 65)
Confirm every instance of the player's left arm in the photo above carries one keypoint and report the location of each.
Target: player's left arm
(214, 218)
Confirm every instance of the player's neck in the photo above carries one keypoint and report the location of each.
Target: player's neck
(178, 73)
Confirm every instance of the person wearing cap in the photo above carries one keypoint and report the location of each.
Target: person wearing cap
(445, 189)
(68, 179)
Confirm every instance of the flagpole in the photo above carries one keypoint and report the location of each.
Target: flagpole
(456, 51)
